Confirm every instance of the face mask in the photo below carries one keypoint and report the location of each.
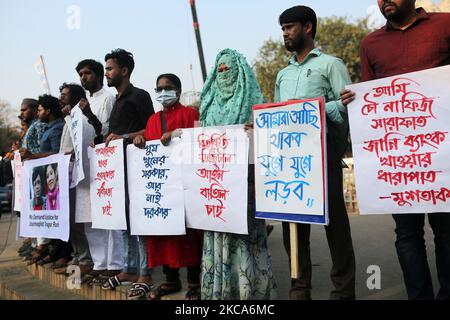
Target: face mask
(167, 98)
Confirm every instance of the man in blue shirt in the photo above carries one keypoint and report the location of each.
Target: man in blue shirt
(313, 74)
(49, 112)
(28, 113)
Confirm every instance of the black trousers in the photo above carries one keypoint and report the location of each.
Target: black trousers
(173, 275)
(339, 241)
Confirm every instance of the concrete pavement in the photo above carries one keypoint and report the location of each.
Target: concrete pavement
(373, 240)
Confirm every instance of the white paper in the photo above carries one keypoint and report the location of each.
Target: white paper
(401, 145)
(155, 189)
(107, 186)
(215, 171)
(290, 171)
(17, 169)
(76, 133)
(45, 202)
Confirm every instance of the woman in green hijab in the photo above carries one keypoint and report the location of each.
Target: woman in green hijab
(234, 267)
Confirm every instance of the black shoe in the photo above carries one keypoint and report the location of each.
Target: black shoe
(299, 294)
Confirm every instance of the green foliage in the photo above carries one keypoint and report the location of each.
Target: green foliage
(335, 36)
(340, 38)
(272, 57)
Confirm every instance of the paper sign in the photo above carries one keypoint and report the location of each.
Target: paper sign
(401, 146)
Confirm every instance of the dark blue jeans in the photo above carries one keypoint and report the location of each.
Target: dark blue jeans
(412, 254)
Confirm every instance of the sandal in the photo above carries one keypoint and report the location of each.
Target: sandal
(139, 290)
(46, 260)
(194, 292)
(165, 289)
(113, 282)
(99, 280)
(59, 264)
(91, 276)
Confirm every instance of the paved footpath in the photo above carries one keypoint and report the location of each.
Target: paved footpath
(373, 239)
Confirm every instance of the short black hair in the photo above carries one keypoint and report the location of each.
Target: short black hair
(50, 102)
(30, 102)
(302, 14)
(123, 58)
(173, 78)
(37, 171)
(95, 66)
(76, 92)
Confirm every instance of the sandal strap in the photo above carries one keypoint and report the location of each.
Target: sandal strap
(114, 282)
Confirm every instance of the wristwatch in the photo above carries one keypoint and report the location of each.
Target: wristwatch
(125, 136)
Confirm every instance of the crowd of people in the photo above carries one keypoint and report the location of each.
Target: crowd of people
(224, 265)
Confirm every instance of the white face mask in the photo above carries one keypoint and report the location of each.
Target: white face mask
(167, 98)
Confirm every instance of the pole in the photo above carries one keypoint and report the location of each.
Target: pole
(41, 57)
(198, 38)
(294, 250)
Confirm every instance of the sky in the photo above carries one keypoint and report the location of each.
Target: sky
(160, 35)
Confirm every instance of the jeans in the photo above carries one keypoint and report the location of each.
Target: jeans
(412, 255)
(135, 248)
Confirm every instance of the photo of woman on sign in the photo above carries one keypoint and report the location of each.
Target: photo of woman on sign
(52, 201)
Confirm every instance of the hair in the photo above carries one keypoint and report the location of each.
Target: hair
(123, 58)
(300, 14)
(30, 102)
(54, 166)
(76, 92)
(37, 171)
(51, 103)
(173, 78)
(95, 66)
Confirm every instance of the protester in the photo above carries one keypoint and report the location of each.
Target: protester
(172, 252)
(28, 113)
(312, 74)
(106, 246)
(416, 40)
(234, 266)
(49, 112)
(129, 116)
(70, 96)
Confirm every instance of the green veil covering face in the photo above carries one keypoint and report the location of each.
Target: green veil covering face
(227, 97)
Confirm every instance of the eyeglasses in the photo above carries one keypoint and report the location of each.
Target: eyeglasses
(167, 88)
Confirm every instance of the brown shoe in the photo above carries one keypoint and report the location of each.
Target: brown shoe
(60, 270)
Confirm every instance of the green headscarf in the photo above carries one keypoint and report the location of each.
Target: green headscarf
(227, 97)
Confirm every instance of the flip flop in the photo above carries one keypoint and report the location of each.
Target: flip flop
(113, 282)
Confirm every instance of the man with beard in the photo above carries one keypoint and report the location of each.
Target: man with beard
(28, 113)
(106, 246)
(129, 116)
(412, 40)
(313, 74)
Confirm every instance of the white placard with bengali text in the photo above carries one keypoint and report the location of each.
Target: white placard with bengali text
(17, 168)
(107, 179)
(76, 133)
(215, 173)
(156, 190)
(401, 145)
(290, 171)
